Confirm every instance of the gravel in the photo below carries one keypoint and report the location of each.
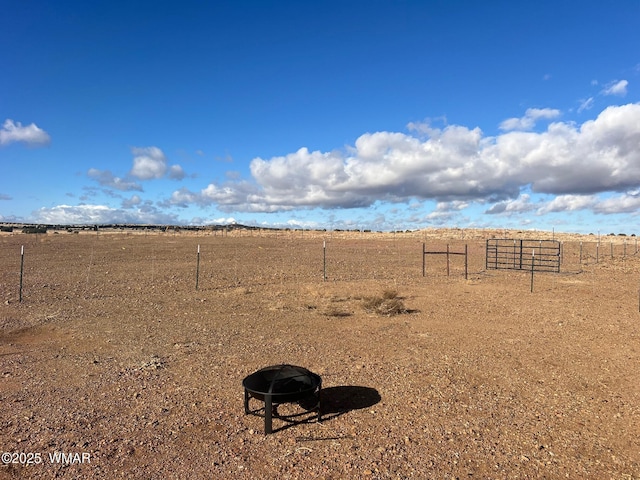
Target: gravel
(114, 358)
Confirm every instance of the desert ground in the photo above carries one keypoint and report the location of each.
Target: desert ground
(113, 357)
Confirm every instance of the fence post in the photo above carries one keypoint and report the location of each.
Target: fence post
(533, 261)
(21, 270)
(521, 253)
(324, 260)
(198, 267)
(423, 259)
(447, 259)
(486, 254)
(580, 253)
(466, 263)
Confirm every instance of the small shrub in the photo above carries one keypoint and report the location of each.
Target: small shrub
(387, 304)
(389, 294)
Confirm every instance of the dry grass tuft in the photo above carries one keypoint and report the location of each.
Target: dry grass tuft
(387, 304)
(390, 294)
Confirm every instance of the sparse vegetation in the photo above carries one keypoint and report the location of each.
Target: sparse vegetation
(112, 347)
(387, 304)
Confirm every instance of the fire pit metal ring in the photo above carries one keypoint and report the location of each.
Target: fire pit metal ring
(281, 384)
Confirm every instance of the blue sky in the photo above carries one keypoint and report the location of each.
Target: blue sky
(381, 115)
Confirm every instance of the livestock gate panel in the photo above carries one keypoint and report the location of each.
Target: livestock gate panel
(512, 254)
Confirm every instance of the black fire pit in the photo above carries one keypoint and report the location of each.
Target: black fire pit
(281, 384)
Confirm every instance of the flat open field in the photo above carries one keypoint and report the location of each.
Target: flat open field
(114, 355)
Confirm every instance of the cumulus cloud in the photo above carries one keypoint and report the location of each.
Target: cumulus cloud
(32, 135)
(176, 172)
(521, 204)
(223, 221)
(453, 164)
(108, 180)
(131, 202)
(183, 198)
(565, 203)
(445, 212)
(101, 214)
(600, 155)
(148, 163)
(626, 203)
(531, 116)
(618, 88)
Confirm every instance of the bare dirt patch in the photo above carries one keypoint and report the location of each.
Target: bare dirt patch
(113, 352)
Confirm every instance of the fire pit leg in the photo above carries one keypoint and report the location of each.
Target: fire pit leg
(268, 405)
(246, 401)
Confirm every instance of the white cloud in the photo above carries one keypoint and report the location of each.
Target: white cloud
(531, 116)
(568, 203)
(628, 203)
(453, 164)
(66, 214)
(452, 206)
(134, 201)
(15, 132)
(223, 221)
(426, 128)
(176, 172)
(585, 104)
(183, 198)
(600, 155)
(521, 204)
(445, 212)
(618, 88)
(100, 214)
(625, 203)
(108, 180)
(148, 163)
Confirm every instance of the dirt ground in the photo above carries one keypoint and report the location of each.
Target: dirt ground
(114, 358)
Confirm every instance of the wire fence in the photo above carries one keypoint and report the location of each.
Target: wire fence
(68, 266)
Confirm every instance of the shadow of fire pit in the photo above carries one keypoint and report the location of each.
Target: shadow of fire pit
(338, 400)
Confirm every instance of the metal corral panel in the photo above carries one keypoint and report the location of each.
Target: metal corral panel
(514, 254)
